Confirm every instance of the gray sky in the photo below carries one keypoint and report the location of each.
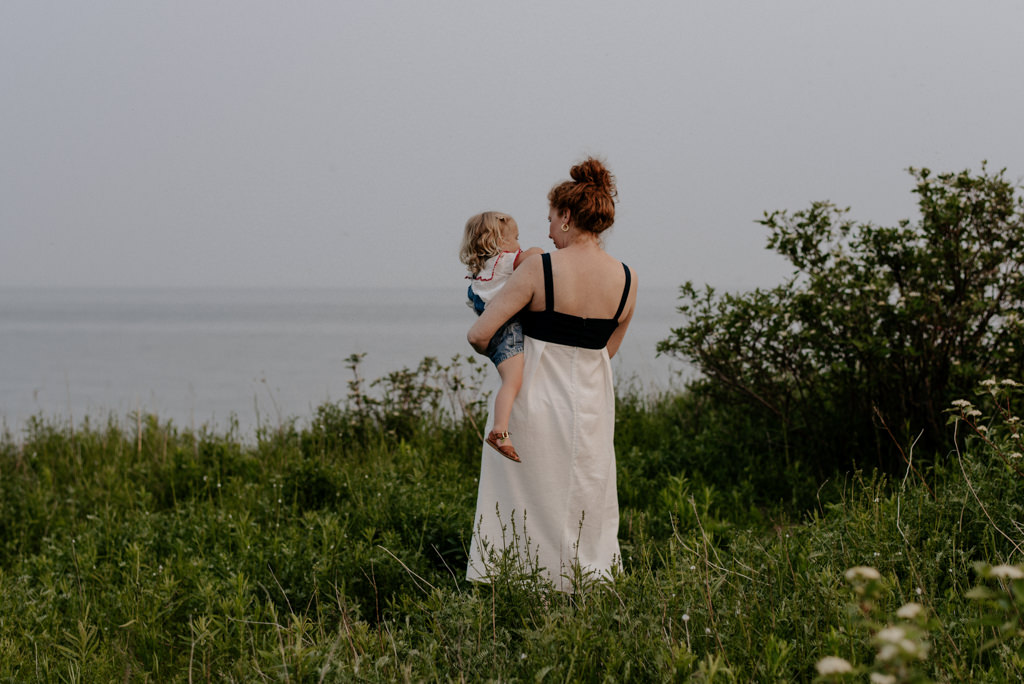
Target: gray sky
(257, 143)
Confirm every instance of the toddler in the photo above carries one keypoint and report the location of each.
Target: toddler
(490, 250)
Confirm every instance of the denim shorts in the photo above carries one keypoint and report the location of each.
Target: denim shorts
(507, 342)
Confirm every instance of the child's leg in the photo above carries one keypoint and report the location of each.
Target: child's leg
(511, 372)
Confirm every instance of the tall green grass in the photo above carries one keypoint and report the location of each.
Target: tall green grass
(334, 550)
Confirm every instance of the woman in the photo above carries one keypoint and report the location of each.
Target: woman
(557, 510)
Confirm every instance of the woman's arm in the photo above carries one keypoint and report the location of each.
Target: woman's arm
(516, 294)
(522, 256)
(620, 332)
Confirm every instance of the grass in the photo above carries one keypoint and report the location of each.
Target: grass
(335, 551)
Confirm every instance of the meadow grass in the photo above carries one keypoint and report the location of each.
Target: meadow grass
(335, 551)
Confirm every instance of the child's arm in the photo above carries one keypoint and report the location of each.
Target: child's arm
(517, 293)
(524, 254)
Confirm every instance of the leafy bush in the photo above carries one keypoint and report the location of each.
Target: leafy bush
(854, 357)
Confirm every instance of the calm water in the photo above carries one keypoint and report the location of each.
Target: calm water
(197, 356)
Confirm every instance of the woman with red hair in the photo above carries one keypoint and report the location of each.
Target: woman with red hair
(557, 511)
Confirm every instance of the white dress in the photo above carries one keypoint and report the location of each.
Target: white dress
(557, 511)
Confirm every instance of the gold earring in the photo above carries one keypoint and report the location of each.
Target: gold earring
(565, 227)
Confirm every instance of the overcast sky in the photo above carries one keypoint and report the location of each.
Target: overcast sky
(256, 143)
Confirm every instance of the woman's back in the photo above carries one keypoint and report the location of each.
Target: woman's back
(587, 283)
(589, 324)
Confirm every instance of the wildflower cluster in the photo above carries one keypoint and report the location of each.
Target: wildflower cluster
(900, 644)
(1001, 429)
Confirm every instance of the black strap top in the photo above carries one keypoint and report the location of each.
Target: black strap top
(561, 328)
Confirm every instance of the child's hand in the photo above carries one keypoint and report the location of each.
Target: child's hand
(524, 255)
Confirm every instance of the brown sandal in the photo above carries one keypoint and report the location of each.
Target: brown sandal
(508, 451)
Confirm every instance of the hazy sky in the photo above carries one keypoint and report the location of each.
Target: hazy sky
(257, 143)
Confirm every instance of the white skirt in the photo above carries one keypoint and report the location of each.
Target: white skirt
(558, 510)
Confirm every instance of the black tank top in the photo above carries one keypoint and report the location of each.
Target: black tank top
(574, 331)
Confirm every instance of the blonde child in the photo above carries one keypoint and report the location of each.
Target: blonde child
(490, 250)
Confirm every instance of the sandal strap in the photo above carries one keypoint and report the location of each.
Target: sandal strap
(500, 435)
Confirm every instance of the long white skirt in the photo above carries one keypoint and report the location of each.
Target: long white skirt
(557, 511)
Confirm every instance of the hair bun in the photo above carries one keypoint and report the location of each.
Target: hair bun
(589, 196)
(593, 171)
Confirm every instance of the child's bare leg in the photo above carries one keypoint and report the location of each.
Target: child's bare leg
(511, 372)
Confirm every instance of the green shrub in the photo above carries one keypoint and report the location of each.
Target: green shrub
(855, 356)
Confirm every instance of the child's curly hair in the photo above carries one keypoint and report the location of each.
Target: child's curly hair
(482, 238)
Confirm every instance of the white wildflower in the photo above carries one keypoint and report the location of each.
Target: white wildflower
(912, 648)
(895, 643)
(909, 611)
(1007, 572)
(888, 653)
(879, 678)
(989, 382)
(891, 635)
(830, 665)
(972, 413)
(862, 573)
(1015, 454)
(1010, 383)
(961, 403)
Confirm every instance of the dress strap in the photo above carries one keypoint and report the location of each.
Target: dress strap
(549, 283)
(625, 294)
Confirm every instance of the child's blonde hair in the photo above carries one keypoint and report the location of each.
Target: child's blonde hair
(482, 238)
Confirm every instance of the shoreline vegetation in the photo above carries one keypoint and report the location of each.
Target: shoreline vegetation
(335, 551)
(839, 497)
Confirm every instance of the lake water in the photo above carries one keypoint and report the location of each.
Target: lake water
(199, 356)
